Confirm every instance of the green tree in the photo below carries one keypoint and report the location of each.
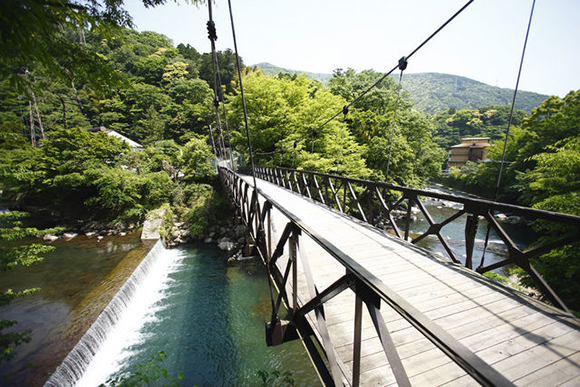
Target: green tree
(412, 156)
(196, 159)
(285, 111)
(543, 171)
(554, 185)
(228, 71)
(492, 121)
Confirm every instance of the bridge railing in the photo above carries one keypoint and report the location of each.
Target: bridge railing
(256, 210)
(379, 204)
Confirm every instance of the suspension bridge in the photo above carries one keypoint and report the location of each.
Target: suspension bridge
(371, 307)
(427, 321)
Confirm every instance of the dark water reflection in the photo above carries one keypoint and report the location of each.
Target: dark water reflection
(76, 280)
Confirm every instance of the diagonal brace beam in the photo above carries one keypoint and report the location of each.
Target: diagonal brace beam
(327, 294)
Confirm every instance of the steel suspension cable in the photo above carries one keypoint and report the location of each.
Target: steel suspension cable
(212, 35)
(242, 94)
(383, 77)
(225, 112)
(275, 319)
(500, 173)
(513, 103)
(344, 112)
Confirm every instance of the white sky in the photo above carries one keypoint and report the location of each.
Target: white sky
(484, 43)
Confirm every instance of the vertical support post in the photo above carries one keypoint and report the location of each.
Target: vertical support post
(408, 219)
(470, 230)
(356, 355)
(344, 198)
(256, 209)
(294, 262)
(269, 236)
(371, 219)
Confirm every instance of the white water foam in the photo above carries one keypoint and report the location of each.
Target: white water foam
(126, 332)
(99, 350)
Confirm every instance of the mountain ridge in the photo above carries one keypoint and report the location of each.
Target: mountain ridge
(434, 93)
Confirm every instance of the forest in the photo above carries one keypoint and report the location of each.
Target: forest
(67, 68)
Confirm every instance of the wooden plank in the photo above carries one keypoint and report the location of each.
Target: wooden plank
(444, 373)
(565, 368)
(515, 337)
(471, 323)
(522, 338)
(574, 382)
(378, 377)
(540, 356)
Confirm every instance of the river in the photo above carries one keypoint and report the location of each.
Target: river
(454, 232)
(208, 318)
(206, 315)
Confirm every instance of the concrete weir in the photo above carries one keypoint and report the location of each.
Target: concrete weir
(152, 225)
(92, 324)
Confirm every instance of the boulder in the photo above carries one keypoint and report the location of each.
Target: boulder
(239, 231)
(67, 236)
(226, 245)
(49, 238)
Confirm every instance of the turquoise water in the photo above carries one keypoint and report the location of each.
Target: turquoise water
(208, 317)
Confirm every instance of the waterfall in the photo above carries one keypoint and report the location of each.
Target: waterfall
(78, 359)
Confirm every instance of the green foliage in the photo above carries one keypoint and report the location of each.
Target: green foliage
(285, 111)
(204, 206)
(411, 157)
(492, 121)
(150, 373)
(196, 159)
(10, 340)
(543, 172)
(228, 72)
(77, 171)
(554, 183)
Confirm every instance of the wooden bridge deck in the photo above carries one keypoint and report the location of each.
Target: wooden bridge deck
(528, 342)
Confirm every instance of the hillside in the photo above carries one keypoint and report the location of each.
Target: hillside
(270, 69)
(435, 93)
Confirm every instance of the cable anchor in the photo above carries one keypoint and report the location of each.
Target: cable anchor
(211, 31)
(403, 63)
